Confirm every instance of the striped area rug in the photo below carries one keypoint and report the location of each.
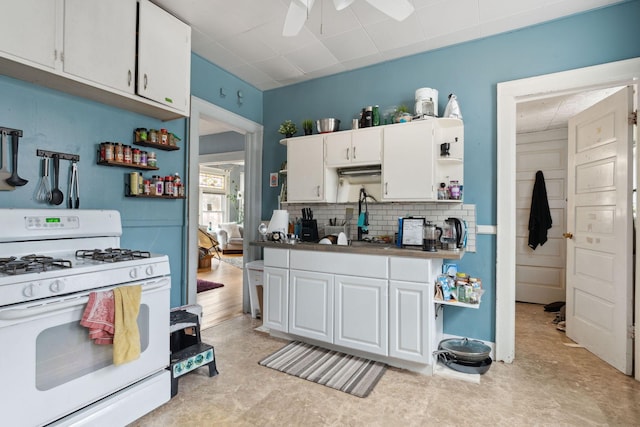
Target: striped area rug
(351, 374)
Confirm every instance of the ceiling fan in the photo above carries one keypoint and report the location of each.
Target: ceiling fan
(299, 10)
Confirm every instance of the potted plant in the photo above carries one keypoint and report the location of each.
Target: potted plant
(402, 114)
(288, 128)
(307, 126)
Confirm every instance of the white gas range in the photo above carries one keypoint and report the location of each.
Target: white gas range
(50, 260)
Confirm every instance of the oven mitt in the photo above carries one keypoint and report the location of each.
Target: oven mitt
(362, 221)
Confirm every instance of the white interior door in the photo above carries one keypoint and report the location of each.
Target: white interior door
(540, 273)
(599, 252)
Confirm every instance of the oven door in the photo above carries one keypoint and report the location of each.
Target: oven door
(51, 368)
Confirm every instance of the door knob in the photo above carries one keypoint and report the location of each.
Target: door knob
(567, 235)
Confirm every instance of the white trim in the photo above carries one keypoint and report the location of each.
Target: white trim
(486, 229)
(230, 156)
(253, 133)
(619, 73)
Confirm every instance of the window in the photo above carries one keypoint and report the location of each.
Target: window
(213, 200)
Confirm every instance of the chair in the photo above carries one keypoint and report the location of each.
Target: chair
(231, 237)
(207, 249)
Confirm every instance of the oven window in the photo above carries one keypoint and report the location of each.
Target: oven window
(65, 352)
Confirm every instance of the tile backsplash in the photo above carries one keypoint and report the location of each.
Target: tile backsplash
(383, 217)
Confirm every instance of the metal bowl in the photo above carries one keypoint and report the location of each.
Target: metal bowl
(328, 125)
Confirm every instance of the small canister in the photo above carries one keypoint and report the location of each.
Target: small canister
(153, 135)
(454, 190)
(151, 160)
(143, 158)
(108, 152)
(159, 186)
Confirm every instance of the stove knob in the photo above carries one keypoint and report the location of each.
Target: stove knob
(56, 286)
(31, 290)
(133, 273)
(149, 270)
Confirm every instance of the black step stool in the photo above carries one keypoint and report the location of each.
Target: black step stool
(188, 352)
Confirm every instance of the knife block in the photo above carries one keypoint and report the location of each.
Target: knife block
(309, 230)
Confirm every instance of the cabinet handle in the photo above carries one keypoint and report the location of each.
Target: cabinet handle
(145, 80)
(318, 191)
(354, 153)
(129, 78)
(347, 154)
(386, 184)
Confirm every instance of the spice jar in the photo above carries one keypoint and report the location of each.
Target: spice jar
(147, 187)
(127, 154)
(164, 137)
(143, 158)
(454, 190)
(119, 153)
(159, 186)
(135, 156)
(168, 185)
(153, 135)
(151, 160)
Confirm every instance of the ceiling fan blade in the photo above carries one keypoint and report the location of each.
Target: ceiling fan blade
(296, 17)
(342, 4)
(396, 9)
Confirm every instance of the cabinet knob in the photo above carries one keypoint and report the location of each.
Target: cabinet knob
(567, 235)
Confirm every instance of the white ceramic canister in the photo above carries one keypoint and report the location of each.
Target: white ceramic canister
(423, 94)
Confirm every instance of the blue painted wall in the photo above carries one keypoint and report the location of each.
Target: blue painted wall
(56, 121)
(470, 70)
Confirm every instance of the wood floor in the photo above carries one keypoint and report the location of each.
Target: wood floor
(223, 303)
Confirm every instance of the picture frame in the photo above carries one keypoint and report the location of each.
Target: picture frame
(273, 179)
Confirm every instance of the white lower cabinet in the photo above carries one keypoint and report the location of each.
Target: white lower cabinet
(311, 305)
(361, 307)
(409, 320)
(276, 298)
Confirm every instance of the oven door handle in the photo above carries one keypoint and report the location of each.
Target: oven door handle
(31, 311)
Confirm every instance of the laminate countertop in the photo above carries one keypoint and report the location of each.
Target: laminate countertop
(362, 247)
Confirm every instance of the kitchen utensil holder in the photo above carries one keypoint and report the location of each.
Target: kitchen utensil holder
(336, 229)
(61, 156)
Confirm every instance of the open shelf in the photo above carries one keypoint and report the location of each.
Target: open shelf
(149, 196)
(156, 145)
(126, 165)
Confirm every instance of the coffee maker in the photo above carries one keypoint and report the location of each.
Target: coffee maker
(431, 234)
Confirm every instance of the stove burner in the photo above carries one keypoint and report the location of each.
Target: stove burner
(31, 264)
(112, 254)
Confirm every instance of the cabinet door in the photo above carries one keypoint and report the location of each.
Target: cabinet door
(311, 305)
(276, 298)
(100, 41)
(305, 169)
(366, 146)
(408, 163)
(409, 313)
(164, 57)
(361, 314)
(338, 148)
(29, 31)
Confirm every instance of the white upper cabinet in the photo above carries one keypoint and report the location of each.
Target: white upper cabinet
(29, 31)
(87, 48)
(100, 42)
(354, 148)
(408, 166)
(164, 57)
(307, 178)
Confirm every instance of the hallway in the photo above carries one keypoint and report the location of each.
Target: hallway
(223, 303)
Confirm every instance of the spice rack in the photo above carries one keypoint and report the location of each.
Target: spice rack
(126, 165)
(145, 138)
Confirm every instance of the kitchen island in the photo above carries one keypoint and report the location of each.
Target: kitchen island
(370, 300)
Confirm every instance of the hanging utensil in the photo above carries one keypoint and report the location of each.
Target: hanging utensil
(44, 188)
(73, 198)
(56, 195)
(4, 172)
(14, 179)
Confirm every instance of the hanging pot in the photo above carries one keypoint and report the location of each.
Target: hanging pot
(464, 350)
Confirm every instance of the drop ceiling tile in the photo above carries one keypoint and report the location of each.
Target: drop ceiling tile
(271, 34)
(248, 47)
(389, 35)
(327, 71)
(220, 56)
(321, 57)
(351, 45)
(367, 14)
(249, 73)
(451, 17)
(278, 68)
(328, 22)
(363, 61)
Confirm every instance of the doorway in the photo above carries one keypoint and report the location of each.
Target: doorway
(509, 94)
(252, 132)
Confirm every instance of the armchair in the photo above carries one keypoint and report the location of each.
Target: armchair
(230, 235)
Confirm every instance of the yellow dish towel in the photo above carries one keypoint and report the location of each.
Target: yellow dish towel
(126, 338)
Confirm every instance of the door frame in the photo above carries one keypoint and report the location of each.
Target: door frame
(253, 141)
(509, 94)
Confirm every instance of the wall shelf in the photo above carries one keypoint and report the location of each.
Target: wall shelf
(156, 145)
(150, 196)
(126, 165)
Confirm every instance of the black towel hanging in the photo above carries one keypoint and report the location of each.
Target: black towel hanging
(540, 215)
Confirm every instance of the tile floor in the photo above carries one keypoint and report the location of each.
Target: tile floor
(549, 384)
